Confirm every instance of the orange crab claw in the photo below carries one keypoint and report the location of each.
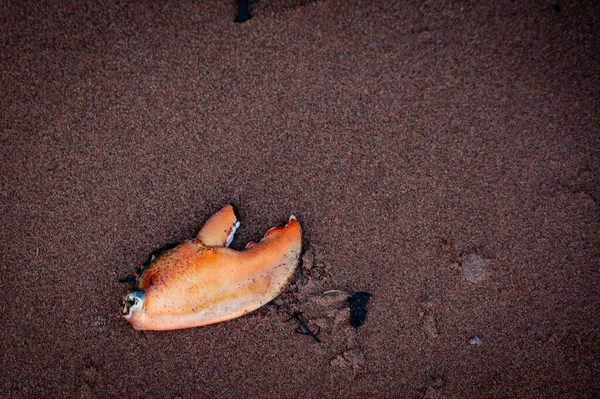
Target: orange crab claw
(218, 231)
(195, 284)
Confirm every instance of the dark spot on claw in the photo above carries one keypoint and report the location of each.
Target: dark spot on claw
(156, 253)
(358, 312)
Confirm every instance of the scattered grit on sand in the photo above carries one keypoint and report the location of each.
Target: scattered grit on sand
(442, 156)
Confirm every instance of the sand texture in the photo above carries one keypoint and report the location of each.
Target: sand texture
(443, 156)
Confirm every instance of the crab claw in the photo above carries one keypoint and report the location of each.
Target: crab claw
(218, 231)
(201, 281)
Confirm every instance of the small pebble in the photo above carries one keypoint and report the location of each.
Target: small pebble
(475, 269)
(475, 341)
(277, 302)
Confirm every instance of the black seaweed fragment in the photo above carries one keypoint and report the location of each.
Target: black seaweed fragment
(303, 327)
(358, 313)
(243, 14)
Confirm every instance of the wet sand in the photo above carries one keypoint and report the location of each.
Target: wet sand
(442, 156)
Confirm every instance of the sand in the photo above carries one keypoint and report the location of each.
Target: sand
(442, 156)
